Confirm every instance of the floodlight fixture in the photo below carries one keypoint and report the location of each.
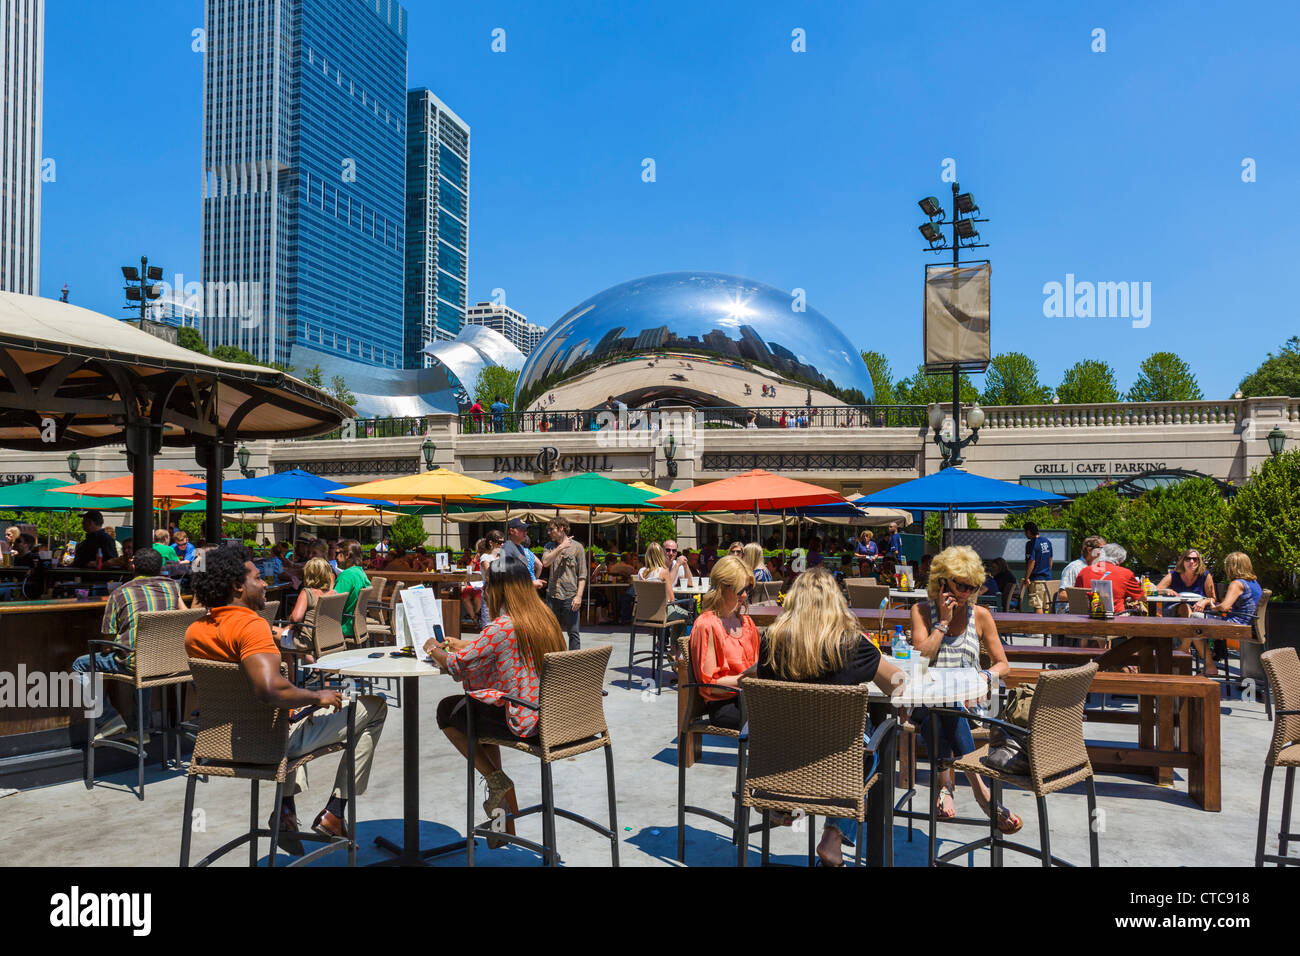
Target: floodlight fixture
(966, 229)
(966, 204)
(930, 232)
(131, 273)
(930, 206)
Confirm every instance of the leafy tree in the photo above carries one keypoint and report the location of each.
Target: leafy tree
(1043, 517)
(189, 338)
(1162, 523)
(339, 389)
(1087, 382)
(1164, 377)
(923, 389)
(195, 524)
(1278, 375)
(407, 532)
(315, 377)
(882, 377)
(655, 527)
(1101, 511)
(493, 382)
(1264, 522)
(1012, 379)
(233, 353)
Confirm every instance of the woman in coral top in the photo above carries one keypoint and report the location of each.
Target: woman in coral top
(724, 641)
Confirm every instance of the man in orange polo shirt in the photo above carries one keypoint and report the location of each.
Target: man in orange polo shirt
(232, 589)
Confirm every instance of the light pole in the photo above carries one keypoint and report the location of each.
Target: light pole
(243, 455)
(964, 236)
(428, 448)
(1276, 441)
(144, 292)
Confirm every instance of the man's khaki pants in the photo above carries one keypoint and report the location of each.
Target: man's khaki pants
(324, 727)
(1036, 597)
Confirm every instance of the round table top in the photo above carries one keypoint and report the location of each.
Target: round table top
(1174, 598)
(942, 686)
(376, 662)
(915, 594)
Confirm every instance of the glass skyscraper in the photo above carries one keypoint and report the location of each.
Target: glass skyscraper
(22, 71)
(304, 137)
(436, 290)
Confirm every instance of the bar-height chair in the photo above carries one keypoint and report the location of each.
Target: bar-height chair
(693, 722)
(807, 751)
(766, 592)
(1282, 667)
(570, 721)
(160, 661)
(360, 629)
(1058, 758)
(651, 611)
(326, 629)
(380, 628)
(865, 595)
(242, 738)
(1256, 643)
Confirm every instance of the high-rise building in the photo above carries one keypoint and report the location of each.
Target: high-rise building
(304, 136)
(22, 72)
(437, 224)
(521, 333)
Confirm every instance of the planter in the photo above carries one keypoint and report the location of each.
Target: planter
(1283, 628)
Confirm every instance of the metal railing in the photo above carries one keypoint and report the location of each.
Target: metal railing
(376, 428)
(794, 416)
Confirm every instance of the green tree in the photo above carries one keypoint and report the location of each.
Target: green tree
(195, 524)
(315, 377)
(1087, 382)
(189, 338)
(1278, 375)
(407, 532)
(495, 382)
(923, 389)
(1100, 511)
(1012, 379)
(882, 377)
(1162, 523)
(1264, 522)
(656, 527)
(1043, 517)
(233, 353)
(1164, 377)
(339, 389)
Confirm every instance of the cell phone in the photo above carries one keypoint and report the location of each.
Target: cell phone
(437, 634)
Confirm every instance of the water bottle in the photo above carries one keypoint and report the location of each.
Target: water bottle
(902, 649)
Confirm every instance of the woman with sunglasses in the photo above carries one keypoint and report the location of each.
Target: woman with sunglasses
(950, 630)
(1190, 575)
(724, 640)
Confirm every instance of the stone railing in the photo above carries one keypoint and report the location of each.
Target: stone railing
(1114, 414)
(1293, 410)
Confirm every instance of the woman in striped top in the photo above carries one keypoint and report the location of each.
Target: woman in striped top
(950, 630)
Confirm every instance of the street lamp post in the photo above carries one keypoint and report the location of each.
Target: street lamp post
(144, 292)
(428, 448)
(243, 455)
(74, 462)
(1276, 441)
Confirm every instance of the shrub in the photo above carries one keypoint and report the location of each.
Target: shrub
(1264, 521)
(407, 532)
(656, 527)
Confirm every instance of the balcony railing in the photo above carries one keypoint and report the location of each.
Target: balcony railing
(1113, 414)
(795, 416)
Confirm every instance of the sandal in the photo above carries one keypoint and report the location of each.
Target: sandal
(1008, 822)
(941, 812)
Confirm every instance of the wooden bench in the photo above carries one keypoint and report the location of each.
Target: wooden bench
(1196, 700)
(1075, 656)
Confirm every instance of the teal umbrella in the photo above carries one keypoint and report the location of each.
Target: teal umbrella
(40, 496)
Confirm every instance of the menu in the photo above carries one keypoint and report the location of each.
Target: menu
(418, 617)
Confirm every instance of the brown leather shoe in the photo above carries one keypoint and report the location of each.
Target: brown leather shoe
(327, 824)
(288, 825)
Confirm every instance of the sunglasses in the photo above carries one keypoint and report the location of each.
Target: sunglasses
(670, 551)
(963, 587)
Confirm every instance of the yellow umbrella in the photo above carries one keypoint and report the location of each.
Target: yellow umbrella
(440, 484)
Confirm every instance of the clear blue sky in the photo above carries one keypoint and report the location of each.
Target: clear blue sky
(796, 169)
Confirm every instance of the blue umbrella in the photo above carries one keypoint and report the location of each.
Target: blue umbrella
(955, 489)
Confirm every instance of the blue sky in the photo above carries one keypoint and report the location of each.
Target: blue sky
(801, 170)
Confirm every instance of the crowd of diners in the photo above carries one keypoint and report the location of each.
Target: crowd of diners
(526, 606)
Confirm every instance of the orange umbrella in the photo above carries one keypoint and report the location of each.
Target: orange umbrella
(169, 487)
(755, 491)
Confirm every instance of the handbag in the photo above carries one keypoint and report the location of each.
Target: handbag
(1007, 752)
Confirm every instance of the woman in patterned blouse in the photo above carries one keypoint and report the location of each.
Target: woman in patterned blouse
(505, 660)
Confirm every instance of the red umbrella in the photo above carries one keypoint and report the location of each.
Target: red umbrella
(756, 491)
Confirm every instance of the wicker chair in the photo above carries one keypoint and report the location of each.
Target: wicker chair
(766, 592)
(807, 753)
(160, 661)
(360, 630)
(1248, 649)
(270, 612)
(1282, 666)
(1058, 758)
(693, 722)
(866, 595)
(242, 738)
(571, 721)
(381, 629)
(378, 582)
(651, 611)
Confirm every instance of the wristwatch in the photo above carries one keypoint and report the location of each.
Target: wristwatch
(942, 627)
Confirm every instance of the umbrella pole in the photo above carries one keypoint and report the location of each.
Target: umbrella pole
(783, 537)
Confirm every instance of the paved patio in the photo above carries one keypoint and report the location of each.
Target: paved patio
(1142, 825)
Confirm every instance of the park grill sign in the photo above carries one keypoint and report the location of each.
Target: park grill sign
(549, 460)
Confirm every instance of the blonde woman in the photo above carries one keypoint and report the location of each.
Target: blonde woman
(950, 630)
(656, 568)
(1241, 601)
(866, 551)
(724, 640)
(298, 633)
(816, 640)
(753, 558)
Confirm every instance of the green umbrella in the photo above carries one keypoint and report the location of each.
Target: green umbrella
(40, 496)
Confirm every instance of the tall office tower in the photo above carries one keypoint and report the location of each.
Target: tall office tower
(515, 326)
(304, 138)
(22, 71)
(437, 224)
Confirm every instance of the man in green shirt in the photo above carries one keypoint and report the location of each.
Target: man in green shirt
(351, 580)
(161, 537)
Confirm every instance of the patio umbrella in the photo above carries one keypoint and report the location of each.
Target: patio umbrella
(170, 488)
(755, 491)
(954, 489)
(39, 496)
(439, 485)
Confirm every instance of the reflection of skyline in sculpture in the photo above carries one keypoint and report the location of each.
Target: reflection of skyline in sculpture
(712, 318)
(402, 393)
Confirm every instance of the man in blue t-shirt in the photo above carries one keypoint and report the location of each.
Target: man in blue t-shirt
(499, 409)
(894, 547)
(1035, 595)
